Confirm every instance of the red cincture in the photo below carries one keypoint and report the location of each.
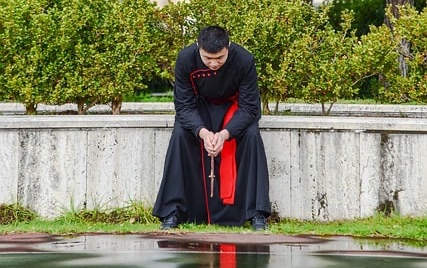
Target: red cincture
(227, 167)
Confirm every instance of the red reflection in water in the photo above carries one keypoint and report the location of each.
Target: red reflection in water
(224, 255)
(227, 256)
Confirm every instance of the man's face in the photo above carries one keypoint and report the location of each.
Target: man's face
(214, 61)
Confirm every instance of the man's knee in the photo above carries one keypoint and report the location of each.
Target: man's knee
(181, 133)
(251, 132)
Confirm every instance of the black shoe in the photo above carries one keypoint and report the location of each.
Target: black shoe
(259, 222)
(170, 222)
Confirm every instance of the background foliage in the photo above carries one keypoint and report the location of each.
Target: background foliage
(92, 52)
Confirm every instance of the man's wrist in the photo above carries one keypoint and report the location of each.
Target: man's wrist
(201, 132)
(225, 134)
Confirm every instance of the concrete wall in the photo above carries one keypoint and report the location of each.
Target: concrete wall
(322, 168)
(162, 3)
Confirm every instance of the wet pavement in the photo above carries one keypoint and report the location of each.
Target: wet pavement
(184, 250)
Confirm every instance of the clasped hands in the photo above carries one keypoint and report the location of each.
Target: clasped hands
(213, 142)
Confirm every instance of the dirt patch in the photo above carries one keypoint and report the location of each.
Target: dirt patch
(27, 238)
(231, 238)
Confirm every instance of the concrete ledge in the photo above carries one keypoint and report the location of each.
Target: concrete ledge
(358, 124)
(86, 121)
(324, 123)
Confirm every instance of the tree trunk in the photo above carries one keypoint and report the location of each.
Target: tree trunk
(404, 44)
(395, 3)
(80, 107)
(116, 105)
(31, 108)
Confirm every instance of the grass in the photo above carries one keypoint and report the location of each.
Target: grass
(137, 218)
(149, 97)
(379, 226)
(168, 97)
(14, 213)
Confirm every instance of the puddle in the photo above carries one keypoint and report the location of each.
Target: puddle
(189, 250)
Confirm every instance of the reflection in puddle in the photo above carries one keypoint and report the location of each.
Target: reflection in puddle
(222, 255)
(187, 251)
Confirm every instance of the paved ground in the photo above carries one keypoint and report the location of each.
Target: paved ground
(180, 249)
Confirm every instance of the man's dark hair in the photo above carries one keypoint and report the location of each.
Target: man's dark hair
(213, 39)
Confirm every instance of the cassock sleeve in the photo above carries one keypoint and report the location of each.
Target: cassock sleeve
(249, 103)
(184, 96)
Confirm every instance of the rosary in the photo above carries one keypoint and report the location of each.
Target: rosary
(212, 175)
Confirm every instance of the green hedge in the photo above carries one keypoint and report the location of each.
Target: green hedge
(76, 51)
(92, 52)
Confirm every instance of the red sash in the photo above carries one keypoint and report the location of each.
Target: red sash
(227, 167)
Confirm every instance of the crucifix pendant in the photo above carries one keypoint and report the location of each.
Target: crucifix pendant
(212, 175)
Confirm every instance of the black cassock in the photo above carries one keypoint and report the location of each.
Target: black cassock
(202, 98)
